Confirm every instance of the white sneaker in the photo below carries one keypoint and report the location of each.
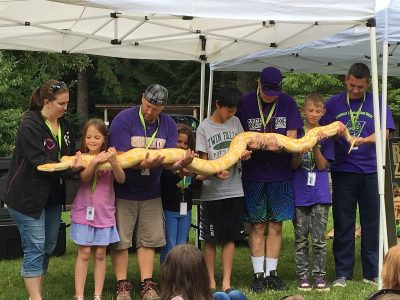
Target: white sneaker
(339, 282)
(373, 281)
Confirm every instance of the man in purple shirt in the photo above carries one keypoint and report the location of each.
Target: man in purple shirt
(138, 199)
(267, 176)
(354, 176)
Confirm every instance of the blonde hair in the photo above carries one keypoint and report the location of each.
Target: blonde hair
(315, 98)
(391, 268)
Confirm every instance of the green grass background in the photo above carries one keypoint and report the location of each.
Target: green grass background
(59, 284)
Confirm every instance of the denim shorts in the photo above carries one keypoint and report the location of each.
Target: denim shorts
(38, 239)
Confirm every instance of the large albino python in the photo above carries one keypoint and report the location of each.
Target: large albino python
(208, 167)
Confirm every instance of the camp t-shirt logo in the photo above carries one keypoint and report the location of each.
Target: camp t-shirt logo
(280, 122)
(254, 124)
(358, 128)
(220, 142)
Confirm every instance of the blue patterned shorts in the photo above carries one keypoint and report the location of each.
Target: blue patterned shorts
(268, 201)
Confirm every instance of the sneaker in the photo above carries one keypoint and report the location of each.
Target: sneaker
(321, 285)
(373, 281)
(340, 282)
(274, 282)
(124, 288)
(149, 290)
(304, 285)
(258, 285)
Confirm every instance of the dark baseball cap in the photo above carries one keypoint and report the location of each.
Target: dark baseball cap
(271, 81)
(156, 94)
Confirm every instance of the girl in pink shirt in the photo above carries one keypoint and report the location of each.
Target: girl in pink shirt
(93, 225)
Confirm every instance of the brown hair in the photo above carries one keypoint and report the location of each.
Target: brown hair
(48, 90)
(391, 268)
(184, 129)
(315, 98)
(101, 127)
(184, 273)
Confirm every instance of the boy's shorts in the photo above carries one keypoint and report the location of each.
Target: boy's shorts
(268, 201)
(221, 221)
(145, 218)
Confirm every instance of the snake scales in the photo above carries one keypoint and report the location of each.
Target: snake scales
(208, 167)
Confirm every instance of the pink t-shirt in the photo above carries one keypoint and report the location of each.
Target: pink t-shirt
(102, 200)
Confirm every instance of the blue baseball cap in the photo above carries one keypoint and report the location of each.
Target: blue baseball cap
(271, 81)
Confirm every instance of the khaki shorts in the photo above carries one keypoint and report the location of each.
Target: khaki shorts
(144, 218)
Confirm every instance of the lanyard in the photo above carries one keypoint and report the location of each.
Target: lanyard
(265, 122)
(184, 183)
(144, 128)
(93, 187)
(354, 115)
(56, 137)
(310, 156)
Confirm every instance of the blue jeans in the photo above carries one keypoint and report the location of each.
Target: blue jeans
(38, 239)
(176, 231)
(233, 295)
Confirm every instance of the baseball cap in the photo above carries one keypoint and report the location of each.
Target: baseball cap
(271, 81)
(156, 94)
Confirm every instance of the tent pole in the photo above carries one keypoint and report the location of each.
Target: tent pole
(202, 87)
(210, 90)
(383, 124)
(378, 142)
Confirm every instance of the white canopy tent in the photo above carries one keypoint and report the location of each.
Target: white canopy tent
(173, 30)
(334, 55)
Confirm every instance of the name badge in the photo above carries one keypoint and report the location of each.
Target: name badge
(183, 209)
(311, 178)
(145, 172)
(90, 213)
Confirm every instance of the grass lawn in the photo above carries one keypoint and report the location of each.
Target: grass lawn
(59, 283)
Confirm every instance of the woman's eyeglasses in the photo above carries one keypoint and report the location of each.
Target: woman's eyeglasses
(57, 86)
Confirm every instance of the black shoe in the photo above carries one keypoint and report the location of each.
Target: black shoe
(274, 282)
(258, 285)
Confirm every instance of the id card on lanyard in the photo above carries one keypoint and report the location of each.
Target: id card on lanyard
(146, 171)
(90, 209)
(311, 175)
(183, 184)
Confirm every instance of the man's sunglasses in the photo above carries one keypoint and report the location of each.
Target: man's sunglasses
(272, 86)
(57, 86)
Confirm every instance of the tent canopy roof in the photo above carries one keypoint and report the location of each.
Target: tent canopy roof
(173, 30)
(333, 54)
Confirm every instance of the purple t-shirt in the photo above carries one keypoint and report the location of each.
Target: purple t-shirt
(126, 132)
(306, 195)
(267, 166)
(363, 159)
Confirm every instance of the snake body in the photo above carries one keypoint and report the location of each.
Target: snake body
(208, 167)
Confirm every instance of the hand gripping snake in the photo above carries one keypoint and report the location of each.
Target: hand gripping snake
(209, 167)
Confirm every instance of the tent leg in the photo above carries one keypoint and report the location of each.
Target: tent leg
(210, 90)
(202, 88)
(378, 147)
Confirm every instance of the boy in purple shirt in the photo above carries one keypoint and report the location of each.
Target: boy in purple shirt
(267, 176)
(354, 176)
(312, 198)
